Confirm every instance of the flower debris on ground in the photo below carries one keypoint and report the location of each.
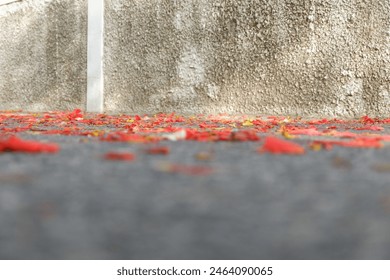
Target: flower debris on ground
(274, 134)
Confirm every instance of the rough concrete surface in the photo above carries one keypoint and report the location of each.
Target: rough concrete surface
(43, 48)
(207, 197)
(76, 205)
(328, 57)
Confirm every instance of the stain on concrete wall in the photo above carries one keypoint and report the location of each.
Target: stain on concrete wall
(310, 57)
(43, 55)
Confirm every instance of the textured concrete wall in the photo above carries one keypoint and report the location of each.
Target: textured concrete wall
(296, 57)
(43, 48)
(317, 57)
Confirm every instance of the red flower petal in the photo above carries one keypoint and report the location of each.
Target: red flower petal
(372, 127)
(15, 144)
(277, 146)
(127, 137)
(75, 115)
(158, 151)
(368, 120)
(244, 135)
(317, 122)
(119, 156)
(193, 170)
(303, 131)
(355, 143)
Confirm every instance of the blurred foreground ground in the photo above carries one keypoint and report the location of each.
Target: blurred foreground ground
(202, 200)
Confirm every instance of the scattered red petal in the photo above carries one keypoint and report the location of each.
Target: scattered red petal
(158, 151)
(342, 134)
(381, 137)
(373, 128)
(192, 170)
(75, 115)
(368, 120)
(222, 135)
(127, 137)
(244, 135)
(303, 131)
(15, 144)
(354, 143)
(278, 146)
(119, 156)
(316, 122)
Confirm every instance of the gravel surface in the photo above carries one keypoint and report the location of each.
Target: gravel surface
(76, 205)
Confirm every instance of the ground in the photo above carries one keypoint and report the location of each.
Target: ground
(78, 186)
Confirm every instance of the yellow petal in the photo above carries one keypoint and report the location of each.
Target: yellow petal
(316, 147)
(247, 123)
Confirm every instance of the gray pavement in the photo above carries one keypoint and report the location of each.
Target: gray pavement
(76, 205)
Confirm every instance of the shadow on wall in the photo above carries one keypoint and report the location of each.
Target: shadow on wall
(43, 55)
(328, 58)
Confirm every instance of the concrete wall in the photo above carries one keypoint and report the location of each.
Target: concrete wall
(295, 57)
(43, 55)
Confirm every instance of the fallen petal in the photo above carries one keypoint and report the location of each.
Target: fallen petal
(278, 146)
(119, 156)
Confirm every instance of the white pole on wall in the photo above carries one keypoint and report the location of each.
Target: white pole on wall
(95, 82)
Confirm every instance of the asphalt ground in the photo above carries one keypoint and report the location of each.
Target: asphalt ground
(202, 200)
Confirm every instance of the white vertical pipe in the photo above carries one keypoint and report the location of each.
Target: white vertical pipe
(95, 82)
